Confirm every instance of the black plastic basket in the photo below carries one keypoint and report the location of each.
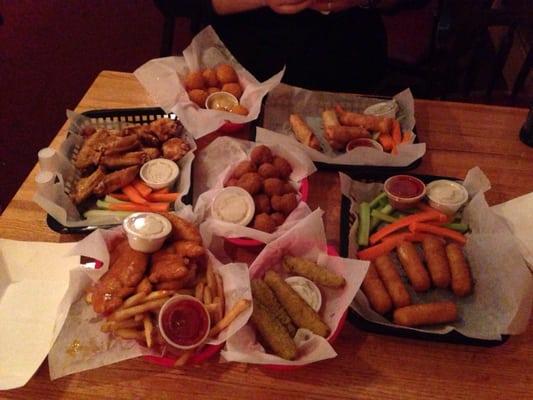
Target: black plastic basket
(346, 221)
(101, 118)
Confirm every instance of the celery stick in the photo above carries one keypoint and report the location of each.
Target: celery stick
(382, 217)
(102, 204)
(111, 199)
(377, 199)
(106, 213)
(457, 226)
(375, 221)
(363, 230)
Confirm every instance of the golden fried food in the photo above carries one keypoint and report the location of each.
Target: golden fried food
(188, 248)
(194, 80)
(84, 187)
(116, 180)
(210, 78)
(262, 203)
(213, 89)
(436, 260)
(167, 267)
(273, 333)
(239, 109)
(278, 218)
(267, 170)
(339, 136)
(300, 312)
(392, 281)
(261, 154)
(226, 74)
(251, 182)
(233, 88)
(426, 314)
(182, 229)
(329, 119)
(273, 186)
(285, 203)
(375, 292)
(413, 267)
(118, 161)
(310, 270)
(242, 168)
(369, 122)
(303, 132)
(264, 222)
(283, 166)
(462, 284)
(121, 144)
(198, 96)
(92, 149)
(174, 149)
(265, 296)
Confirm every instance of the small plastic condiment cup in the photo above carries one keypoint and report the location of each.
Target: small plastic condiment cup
(298, 281)
(221, 101)
(363, 142)
(447, 207)
(386, 109)
(398, 201)
(233, 204)
(169, 303)
(159, 173)
(146, 231)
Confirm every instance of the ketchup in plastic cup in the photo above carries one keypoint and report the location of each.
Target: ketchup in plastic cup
(404, 191)
(184, 322)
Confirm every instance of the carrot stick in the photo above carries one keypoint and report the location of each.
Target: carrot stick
(147, 207)
(142, 188)
(389, 243)
(120, 196)
(407, 136)
(163, 197)
(417, 227)
(133, 195)
(162, 190)
(396, 132)
(406, 221)
(386, 141)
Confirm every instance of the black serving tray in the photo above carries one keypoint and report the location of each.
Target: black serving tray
(346, 221)
(102, 117)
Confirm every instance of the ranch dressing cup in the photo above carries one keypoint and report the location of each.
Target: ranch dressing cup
(159, 173)
(233, 204)
(146, 231)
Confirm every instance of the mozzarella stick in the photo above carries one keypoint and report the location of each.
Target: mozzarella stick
(375, 291)
(437, 261)
(460, 271)
(392, 281)
(426, 314)
(411, 263)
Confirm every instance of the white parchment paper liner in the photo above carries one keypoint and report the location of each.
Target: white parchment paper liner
(38, 283)
(286, 100)
(306, 239)
(94, 348)
(214, 166)
(58, 204)
(503, 291)
(161, 78)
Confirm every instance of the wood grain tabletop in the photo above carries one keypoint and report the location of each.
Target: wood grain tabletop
(458, 137)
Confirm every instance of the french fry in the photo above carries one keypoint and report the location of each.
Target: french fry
(220, 292)
(131, 301)
(129, 334)
(138, 317)
(144, 286)
(237, 309)
(188, 292)
(172, 285)
(110, 326)
(208, 296)
(158, 294)
(199, 291)
(183, 358)
(128, 313)
(148, 329)
(210, 275)
(219, 311)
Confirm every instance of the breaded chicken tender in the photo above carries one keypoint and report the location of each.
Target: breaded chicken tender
(300, 312)
(182, 229)
(264, 295)
(310, 270)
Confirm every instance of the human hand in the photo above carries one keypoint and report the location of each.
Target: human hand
(335, 5)
(288, 6)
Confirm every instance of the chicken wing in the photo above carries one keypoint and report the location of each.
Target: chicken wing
(119, 161)
(182, 229)
(167, 267)
(165, 128)
(84, 187)
(174, 149)
(122, 144)
(152, 152)
(116, 180)
(91, 149)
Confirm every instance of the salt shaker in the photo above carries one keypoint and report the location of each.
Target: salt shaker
(48, 159)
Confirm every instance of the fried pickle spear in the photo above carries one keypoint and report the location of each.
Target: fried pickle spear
(273, 333)
(299, 311)
(310, 270)
(426, 314)
(264, 295)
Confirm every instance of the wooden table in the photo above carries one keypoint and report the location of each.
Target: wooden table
(458, 136)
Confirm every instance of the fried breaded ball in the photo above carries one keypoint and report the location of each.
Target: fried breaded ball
(194, 80)
(210, 77)
(238, 109)
(285, 203)
(251, 182)
(226, 74)
(273, 186)
(278, 218)
(232, 182)
(242, 168)
(261, 154)
(214, 89)
(198, 96)
(267, 170)
(264, 223)
(288, 188)
(283, 166)
(234, 88)
(262, 203)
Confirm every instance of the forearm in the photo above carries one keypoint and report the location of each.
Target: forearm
(223, 7)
